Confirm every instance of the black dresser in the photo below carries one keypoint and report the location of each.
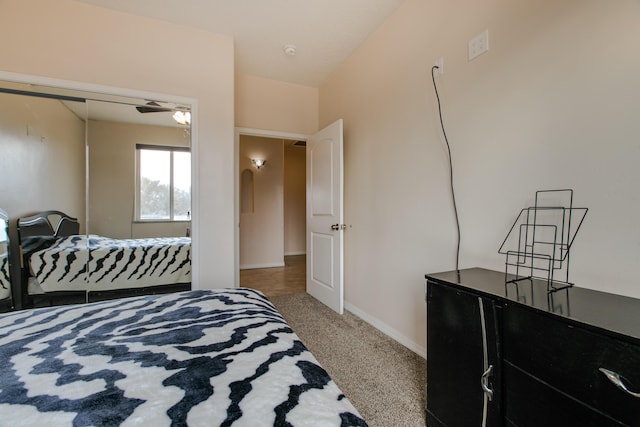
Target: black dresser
(515, 355)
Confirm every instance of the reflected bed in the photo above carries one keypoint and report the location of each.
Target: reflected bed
(111, 263)
(6, 300)
(59, 263)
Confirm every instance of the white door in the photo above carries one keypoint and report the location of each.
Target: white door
(325, 227)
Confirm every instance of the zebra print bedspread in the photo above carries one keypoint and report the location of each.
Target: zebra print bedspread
(197, 358)
(112, 263)
(5, 278)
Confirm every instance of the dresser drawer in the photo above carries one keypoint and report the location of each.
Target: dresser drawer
(568, 358)
(530, 403)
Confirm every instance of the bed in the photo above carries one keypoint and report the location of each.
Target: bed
(214, 358)
(58, 261)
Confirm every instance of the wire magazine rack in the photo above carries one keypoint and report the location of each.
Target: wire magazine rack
(538, 243)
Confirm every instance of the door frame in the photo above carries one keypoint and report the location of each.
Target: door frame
(236, 180)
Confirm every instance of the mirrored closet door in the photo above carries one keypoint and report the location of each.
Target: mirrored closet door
(98, 194)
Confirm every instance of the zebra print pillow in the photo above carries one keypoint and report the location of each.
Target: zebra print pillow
(198, 358)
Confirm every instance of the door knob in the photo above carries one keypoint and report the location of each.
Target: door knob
(338, 226)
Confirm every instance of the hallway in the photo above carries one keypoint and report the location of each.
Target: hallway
(277, 281)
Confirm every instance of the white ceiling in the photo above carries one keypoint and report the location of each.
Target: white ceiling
(89, 105)
(122, 112)
(325, 32)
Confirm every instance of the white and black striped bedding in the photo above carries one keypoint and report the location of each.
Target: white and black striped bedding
(197, 358)
(5, 278)
(112, 263)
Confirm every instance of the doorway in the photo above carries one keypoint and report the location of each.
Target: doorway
(271, 211)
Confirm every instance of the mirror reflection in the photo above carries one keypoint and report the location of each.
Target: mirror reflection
(119, 170)
(6, 300)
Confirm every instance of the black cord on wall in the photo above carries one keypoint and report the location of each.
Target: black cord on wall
(453, 193)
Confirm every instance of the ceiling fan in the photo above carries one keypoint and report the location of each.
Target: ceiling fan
(152, 107)
(180, 114)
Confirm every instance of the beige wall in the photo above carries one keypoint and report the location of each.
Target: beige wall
(553, 104)
(112, 169)
(262, 228)
(295, 203)
(276, 106)
(78, 42)
(272, 207)
(42, 162)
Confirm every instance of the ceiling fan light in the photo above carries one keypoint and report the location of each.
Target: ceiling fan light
(182, 117)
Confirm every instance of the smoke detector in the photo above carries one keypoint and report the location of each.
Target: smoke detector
(289, 49)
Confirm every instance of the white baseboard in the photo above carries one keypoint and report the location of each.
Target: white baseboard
(266, 265)
(387, 330)
(295, 253)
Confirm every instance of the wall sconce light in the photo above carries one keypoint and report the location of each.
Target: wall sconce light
(258, 163)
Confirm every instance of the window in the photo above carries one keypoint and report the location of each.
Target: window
(163, 188)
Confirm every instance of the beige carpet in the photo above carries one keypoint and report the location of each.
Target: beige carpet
(384, 380)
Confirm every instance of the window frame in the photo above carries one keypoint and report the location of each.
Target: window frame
(171, 149)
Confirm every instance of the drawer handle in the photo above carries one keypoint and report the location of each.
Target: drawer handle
(615, 378)
(484, 382)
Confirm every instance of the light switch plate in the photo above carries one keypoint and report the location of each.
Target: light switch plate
(479, 45)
